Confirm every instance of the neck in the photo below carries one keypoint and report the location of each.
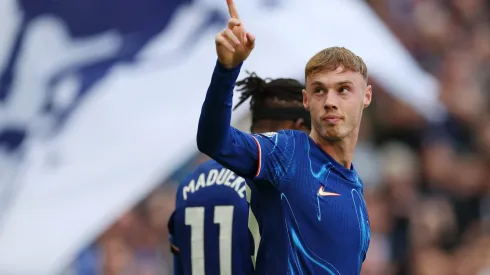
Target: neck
(342, 150)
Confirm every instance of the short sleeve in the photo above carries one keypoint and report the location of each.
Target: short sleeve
(276, 156)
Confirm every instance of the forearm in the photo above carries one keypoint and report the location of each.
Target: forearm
(214, 123)
(215, 137)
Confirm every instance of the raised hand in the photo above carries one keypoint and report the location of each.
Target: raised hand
(234, 44)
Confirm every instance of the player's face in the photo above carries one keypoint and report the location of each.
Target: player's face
(336, 100)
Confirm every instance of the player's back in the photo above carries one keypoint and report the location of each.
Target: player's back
(209, 225)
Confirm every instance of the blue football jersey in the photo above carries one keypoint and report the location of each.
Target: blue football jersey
(209, 233)
(308, 212)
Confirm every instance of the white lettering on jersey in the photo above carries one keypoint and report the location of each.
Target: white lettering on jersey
(214, 176)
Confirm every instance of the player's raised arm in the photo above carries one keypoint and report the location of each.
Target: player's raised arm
(215, 137)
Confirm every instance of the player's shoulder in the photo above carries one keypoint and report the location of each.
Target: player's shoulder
(210, 180)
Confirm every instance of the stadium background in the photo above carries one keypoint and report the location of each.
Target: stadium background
(426, 182)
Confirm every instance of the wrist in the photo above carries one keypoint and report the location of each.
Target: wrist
(228, 68)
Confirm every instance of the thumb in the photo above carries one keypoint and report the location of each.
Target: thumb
(250, 40)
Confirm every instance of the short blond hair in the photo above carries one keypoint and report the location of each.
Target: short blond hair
(330, 59)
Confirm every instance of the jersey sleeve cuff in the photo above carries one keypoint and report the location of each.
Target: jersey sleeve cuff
(227, 73)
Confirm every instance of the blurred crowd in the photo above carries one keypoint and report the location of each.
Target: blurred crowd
(427, 192)
(425, 184)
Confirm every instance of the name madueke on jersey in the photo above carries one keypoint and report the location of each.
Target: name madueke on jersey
(221, 176)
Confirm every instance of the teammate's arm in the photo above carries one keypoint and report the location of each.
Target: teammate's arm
(177, 264)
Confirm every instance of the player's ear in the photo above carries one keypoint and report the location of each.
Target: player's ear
(305, 99)
(368, 96)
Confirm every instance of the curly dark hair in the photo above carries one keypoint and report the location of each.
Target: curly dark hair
(277, 99)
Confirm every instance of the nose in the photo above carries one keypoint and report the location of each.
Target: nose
(331, 101)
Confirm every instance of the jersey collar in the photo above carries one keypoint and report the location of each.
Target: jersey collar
(349, 174)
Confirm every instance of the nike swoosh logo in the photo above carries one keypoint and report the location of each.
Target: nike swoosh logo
(324, 193)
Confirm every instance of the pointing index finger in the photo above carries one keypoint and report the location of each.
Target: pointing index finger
(232, 9)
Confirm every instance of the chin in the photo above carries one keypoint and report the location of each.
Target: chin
(331, 136)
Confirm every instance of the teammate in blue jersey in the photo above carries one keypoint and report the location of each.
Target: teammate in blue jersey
(209, 226)
(306, 196)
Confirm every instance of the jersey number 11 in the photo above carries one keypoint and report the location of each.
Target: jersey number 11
(194, 217)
